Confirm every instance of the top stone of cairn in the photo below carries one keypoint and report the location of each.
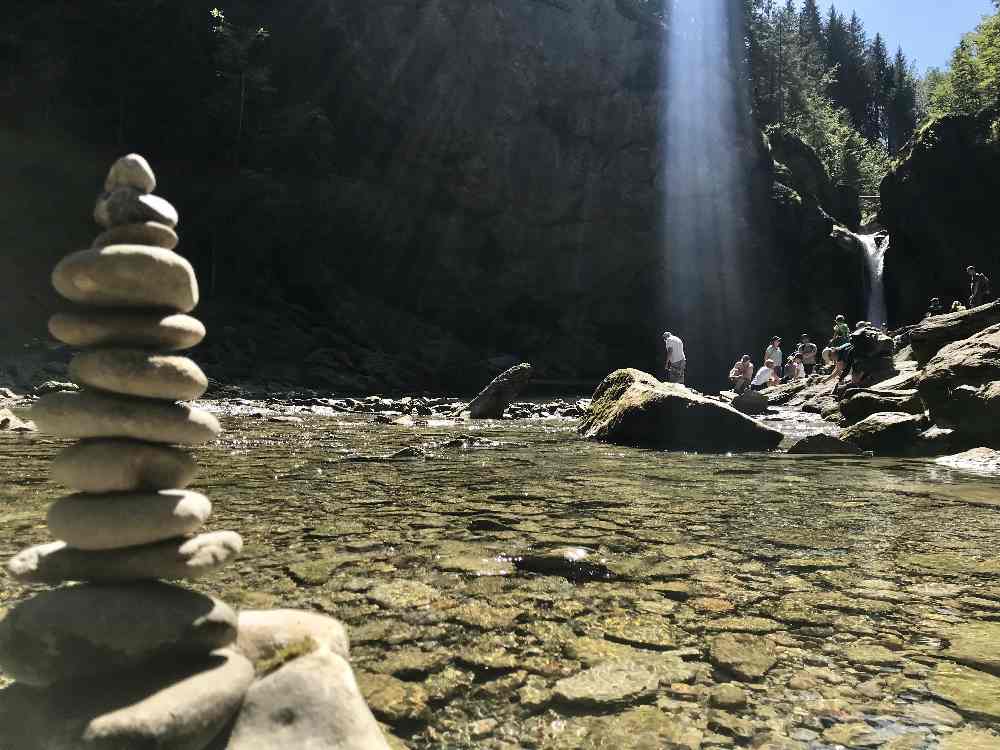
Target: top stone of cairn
(131, 171)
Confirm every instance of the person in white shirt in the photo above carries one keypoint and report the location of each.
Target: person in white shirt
(773, 352)
(765, 376)
(675, 363)
(795, 369)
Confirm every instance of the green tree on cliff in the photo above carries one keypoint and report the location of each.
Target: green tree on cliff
(972, 80)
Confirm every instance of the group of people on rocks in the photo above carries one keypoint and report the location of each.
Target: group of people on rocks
(980, 292)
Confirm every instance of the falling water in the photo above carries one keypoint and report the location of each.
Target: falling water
(875, 258)
(707, 141)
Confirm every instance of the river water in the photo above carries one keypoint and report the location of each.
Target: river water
(856, 577)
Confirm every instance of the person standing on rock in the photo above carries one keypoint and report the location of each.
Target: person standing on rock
(675, 363)
(808, 351)
(841, 332)
(773, 352)
(979, 287)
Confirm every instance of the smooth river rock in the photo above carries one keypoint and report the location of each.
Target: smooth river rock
(143, 233)
(90, 630)
(122, 466)
(131, 170)
(171, 707)
(174, 559)
(113, 521)
(311, 702)
(96, 415)
(135, 329)
(133, 372)
(127, 276)
(748, 657)
(126, 205)
(264, 633)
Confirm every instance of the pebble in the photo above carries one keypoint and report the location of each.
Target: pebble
(127, 276)
(136, 329)
(312, 701)
(133, 372)
(173, 559)
(96, 415)
(264, 633)
(89, 630)
(170, 707)
(113, 521)
(142, 233)
(126, 205)
(122, 466)
(131, 170)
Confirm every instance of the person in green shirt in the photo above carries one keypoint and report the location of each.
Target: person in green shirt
(841, 331)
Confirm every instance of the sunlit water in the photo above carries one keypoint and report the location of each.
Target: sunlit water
(819, 553)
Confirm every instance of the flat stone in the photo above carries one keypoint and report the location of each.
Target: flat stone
(748, 657)
(979, 460)
(729, 697)
(131, 170)
(113, 521)
(613, 683)
(127, 276)
(933, 714)
(144, 233)
(647, 631)
(392, 699)
(312, 701)
(174, 559)
(873, 655)
(975, 645)
(133, 372)
(135, 329)
(853, 734)
(593, 651)
(126, 205)
(91, 630)
(97, 415)
(645, 727)
(402, 594)
(123, 466)
(171, 707)
(973, 693)
(265, 633)
(971, 739)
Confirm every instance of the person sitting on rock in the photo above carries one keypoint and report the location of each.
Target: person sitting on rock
(934, 307)
(794, 370)
(841, 332)
(957, 306)
(765, 376)
(979, 287)
(675, 364)
(808, 350)
(742, 374)
(773, 352)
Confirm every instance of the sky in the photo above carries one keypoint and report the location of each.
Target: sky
(928, 30)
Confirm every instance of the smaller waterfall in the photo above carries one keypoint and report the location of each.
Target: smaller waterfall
(875, 257)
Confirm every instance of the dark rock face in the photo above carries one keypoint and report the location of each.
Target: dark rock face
(494, 398)
(751, 402)
(634, 408)
(887, 433)
(939, 206)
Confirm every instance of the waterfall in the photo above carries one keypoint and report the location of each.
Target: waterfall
(875, 258)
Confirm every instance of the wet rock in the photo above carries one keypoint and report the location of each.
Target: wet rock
(641, 727)
(872, 655)
(312, 701)
(126, 205)
(135, 329)
(887, 434)
(980, 460)
(633, 408)
(862, 403)
(142, 233)
(929, 337)
(853, 734)
(113, 521)
(174, 559)
(53, 386)
(171, 707)
(497, 396)
(975, 694)
(400, 594)
(730, 726)
(607, 685)
(127, 276)
(133, 372)
(391, 699)
(933, 714)
(97, 415)
(645, 631)
(729, 697)
(265, 633)
(92, 630)
(974, 644)
(751, 402)
(11, 423)
(824, 445)
(122, 466)
(971, 739)
(569, 563)
(748, 657)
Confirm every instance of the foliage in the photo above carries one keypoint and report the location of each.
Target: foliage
(972, 81)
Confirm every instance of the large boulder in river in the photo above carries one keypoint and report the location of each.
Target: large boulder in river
(751, 402)
(862, 402)
(505, 387)
(631, 407)
(932, 334)
(887, 433)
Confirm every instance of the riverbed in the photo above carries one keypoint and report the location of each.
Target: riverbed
(507, 585)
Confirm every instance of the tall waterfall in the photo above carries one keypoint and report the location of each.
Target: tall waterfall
(875, 257)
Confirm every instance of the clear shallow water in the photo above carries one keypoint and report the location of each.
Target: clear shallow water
(456, 647)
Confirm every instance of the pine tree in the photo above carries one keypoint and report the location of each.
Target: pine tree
(879, 76)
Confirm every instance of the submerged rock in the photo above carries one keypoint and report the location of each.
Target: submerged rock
(497, 396)
(610, 684)
(748, 657)
(634, 408)
(824, 445)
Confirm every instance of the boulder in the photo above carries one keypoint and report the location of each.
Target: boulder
(265, 633)
(135, 329)
(123, 466)
(93, 630)
(312, 701)
(751, 402)
(816, 445)
(505, 387)
(133, 372)
(633, 408)
(11, 423)
(980, 460)
(887, 433)
(175, 559)
(127, 276)
(747, 657)
(97, 415)
(932, 334)
(126, 519)
(180, 706)
(960, 384)
(862, 402)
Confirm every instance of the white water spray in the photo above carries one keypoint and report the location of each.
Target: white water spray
(875, 259)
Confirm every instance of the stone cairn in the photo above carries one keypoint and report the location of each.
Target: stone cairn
(124, 660)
